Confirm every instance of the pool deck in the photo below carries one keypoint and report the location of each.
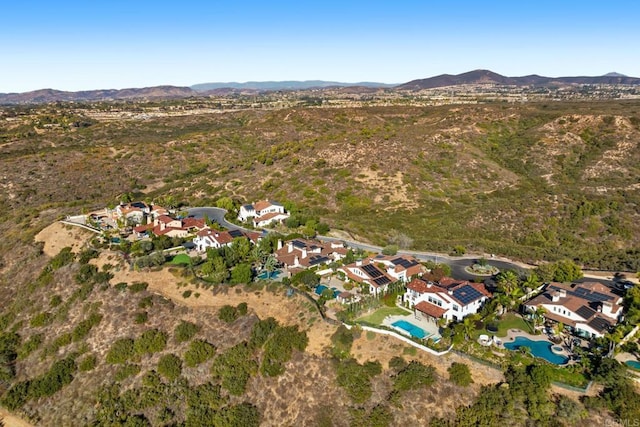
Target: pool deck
(512, 334)
(430, 329)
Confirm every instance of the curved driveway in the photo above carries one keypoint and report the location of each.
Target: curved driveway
(457, 264)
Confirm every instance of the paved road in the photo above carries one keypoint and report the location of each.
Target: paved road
(457, 264)
(215, 215)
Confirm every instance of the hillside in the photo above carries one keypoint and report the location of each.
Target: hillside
(535, 181)
(458, 174)
(482, 77)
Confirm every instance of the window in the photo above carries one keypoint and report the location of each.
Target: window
(455, 307)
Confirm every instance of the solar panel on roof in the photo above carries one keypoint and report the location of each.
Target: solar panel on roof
(372, 271)
(318, 259)
(298, 244)
(381, 281)
(585, 312)
(599, 324)
(235, 233)
(466, 294)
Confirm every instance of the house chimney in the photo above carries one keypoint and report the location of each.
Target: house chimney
(279, 244)
(304, 253)
(606, 308)
(289, 247)
(555, 296)
(358, 262)
(563, 293)
(296, 261)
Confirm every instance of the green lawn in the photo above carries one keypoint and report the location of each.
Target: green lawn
(378, 316)
(511, 321)
(181, 259)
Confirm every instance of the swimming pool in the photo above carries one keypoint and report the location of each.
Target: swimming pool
(413, 330)
(633, 364)
(540, 349)
(265, 275)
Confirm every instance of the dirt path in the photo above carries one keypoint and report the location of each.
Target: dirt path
(11, 420)
(58, 236)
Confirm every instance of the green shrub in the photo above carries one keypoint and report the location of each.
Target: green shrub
(460, 374)
(413, 376)
(121, 286)
(151, 341)
(170, 366)
(136, 287)
(41, 319)
(126, 371)
(199, 351)
(356, 378)
(30, 345)
(228, 313)
(64, 257)
(84, 327)
(121, 351)
(185, 331)
(141, 317)
(88, 363)
(55, 301)
(146, 302)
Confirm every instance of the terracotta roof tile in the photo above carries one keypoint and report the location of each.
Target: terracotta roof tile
(430, 309)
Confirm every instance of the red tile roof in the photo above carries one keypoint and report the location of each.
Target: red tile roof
(430, 309)
(262, 204)
(267, 217)
(165, 219)
(193, 223)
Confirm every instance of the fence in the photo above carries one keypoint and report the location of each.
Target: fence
(573, 388)
(77, 224)
(401, 338)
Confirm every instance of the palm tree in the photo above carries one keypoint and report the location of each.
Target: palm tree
(538, 316)
(468, 325)
(270, 264)
(532, 281)
(503, 302)
(507, 281)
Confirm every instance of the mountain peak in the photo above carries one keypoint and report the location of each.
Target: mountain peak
(614, 74)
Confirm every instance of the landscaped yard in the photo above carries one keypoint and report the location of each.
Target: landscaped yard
(378, 316)
(511, 321)
(181, 259)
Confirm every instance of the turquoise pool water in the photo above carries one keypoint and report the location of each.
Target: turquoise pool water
(414, 330)
(540, 349)
(633, 363)
(265, 275)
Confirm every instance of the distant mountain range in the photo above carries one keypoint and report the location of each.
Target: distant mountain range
(476, 77)
(285, 85)
(489, 77)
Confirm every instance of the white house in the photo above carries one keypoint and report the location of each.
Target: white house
(400, 267)
(263, 213)
(368, 273)
(588, 309)
(303, 253)
(216, 239)
(446, 299)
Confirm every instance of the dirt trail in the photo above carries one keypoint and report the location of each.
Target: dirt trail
(11, 420)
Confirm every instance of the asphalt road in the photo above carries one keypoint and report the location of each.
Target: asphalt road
(214, 214)
(457, 264)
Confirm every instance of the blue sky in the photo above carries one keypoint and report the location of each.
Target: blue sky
(117, 44)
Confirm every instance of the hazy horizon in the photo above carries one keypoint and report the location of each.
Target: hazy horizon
(85, 46)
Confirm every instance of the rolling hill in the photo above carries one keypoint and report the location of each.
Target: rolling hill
(479, 77)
